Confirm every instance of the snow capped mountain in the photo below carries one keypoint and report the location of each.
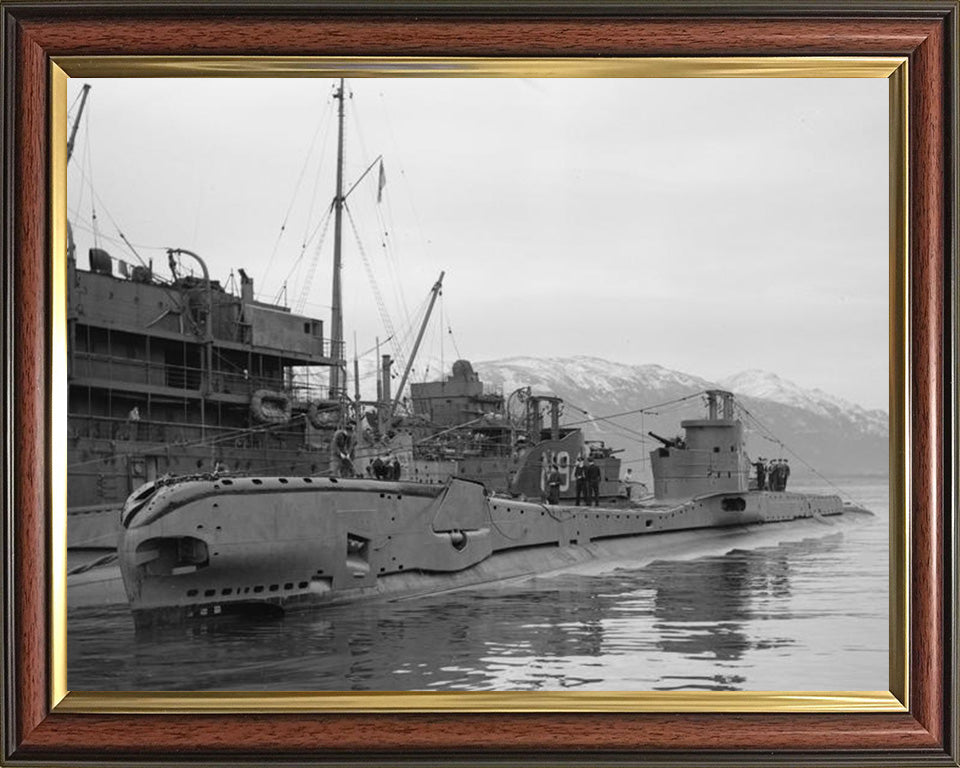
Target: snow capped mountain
(768, 386)
(830, 434)
(581, 371)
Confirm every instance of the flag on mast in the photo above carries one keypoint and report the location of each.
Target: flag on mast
(381, 183)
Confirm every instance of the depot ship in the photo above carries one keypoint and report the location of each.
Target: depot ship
(172, 373)
(469, 507)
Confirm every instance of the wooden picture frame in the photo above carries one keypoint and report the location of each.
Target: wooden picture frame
(35, 34)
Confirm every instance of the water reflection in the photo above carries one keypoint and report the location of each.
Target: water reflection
(702, 605)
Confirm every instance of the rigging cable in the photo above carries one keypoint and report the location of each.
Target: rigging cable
(453, 339)
(768, 434)
(83, 176)
(646, 409)
(393, 280)
(321, 125)
(80, 223)
(403, 175)
(307, 236)
(381, 306)
(624, 430)
(93, 195)
(314, 262)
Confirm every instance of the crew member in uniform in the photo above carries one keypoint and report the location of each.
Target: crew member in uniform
(395, 466)
(341, 450)
(580, 480)
(776, 475)
(761, 467)
(784, 474)
(593, 483)
(554, 479)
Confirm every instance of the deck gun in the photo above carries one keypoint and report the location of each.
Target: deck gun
(675, 443)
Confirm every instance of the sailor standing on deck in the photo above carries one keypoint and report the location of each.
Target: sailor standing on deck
(776, 475)
(593, 483)
(628, 483)
(554, 479)
(761, 468)
(395, 467)
(580, 480)
(341, 451)
(782, 481)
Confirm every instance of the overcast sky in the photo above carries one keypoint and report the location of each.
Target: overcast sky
(706, 225)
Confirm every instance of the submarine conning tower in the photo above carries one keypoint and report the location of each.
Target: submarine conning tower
(708, 459)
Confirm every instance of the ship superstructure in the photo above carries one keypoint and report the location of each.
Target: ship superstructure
(460, 427)
(179, 376)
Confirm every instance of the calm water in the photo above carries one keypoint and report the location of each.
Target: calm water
(750, 612)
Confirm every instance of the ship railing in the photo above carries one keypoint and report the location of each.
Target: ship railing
(133, 371)
(310, 384)
(493, 389)
(113, 368)
(160, 434)
(243, 384)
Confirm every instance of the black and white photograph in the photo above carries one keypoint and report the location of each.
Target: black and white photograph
(478, 384)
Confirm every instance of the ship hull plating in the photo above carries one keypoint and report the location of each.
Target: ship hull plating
(209, 548)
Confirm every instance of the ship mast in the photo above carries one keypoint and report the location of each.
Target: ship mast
(336, 307)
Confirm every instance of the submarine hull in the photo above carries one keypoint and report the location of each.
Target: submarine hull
(207, 548)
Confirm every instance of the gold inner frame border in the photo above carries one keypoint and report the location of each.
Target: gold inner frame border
(894, 69)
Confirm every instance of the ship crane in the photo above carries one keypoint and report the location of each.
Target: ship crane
(76, 120)
(434, 292)
(71, 246)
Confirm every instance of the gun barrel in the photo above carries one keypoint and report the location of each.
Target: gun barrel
(665, 441)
